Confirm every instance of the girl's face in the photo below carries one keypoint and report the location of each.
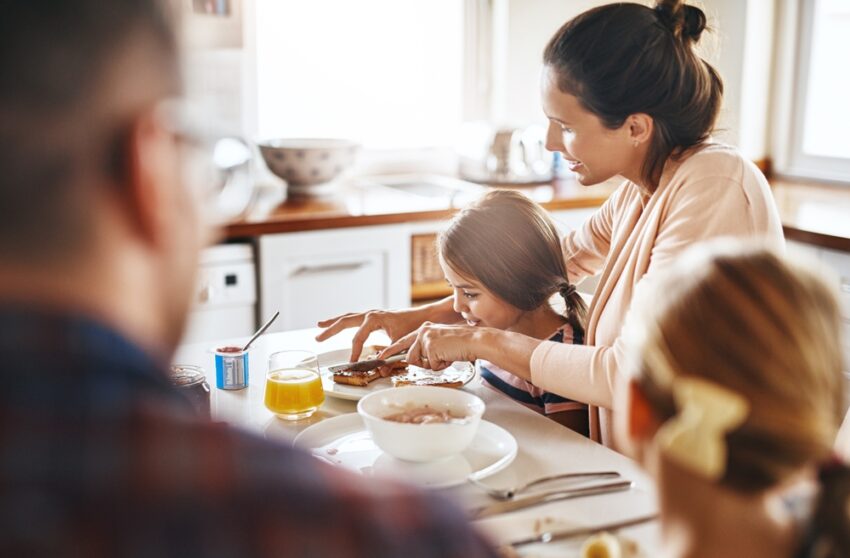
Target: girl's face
(590, 149)
(477, 305)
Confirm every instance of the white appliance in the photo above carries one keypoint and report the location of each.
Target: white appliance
(225, 296)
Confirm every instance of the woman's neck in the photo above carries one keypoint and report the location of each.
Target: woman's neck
(716, 521)
(540, 323)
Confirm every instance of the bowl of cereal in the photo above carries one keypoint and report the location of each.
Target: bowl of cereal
(421, 423)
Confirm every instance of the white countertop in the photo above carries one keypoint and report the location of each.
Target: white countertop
(545, 447)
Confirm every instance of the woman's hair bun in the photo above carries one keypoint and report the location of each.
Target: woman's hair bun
(687, 22)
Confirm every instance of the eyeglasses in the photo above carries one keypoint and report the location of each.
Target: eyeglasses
(219, 166)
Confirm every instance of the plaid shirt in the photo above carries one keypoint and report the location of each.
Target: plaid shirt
(100, 457)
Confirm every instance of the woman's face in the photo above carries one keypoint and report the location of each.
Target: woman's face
(477, 305)
(590, 149)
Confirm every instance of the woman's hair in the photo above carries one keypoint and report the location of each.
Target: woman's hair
(749, 321)
(622, 59)
(511, 246)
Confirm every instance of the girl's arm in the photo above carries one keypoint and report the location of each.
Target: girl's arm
(396, 323)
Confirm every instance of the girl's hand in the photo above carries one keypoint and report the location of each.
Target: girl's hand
(437, 346)
(395, 323)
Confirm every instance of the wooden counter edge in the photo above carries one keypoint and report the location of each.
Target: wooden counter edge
(272, 226)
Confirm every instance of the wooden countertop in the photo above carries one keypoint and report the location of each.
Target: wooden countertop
(361, 204)
(813, 213)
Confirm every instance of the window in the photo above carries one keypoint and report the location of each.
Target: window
(817, 140)
(388, 74)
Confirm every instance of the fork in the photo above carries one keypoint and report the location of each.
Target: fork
(509, 493)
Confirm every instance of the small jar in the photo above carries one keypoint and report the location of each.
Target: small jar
(231, 368)
(192, 383)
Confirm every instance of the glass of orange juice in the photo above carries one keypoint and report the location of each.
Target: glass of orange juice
(293, 385)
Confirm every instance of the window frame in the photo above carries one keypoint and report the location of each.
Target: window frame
(796, 24)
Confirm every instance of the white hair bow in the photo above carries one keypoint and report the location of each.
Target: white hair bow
(696, 437)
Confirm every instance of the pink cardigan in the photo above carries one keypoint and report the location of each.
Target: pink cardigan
(714, 192)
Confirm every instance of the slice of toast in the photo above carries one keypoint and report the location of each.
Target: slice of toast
(356, 378)
(361, 379)
(448, 378)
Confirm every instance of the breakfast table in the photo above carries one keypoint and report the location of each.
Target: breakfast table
(543, 448)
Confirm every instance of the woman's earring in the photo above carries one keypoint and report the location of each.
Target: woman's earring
(636, 143)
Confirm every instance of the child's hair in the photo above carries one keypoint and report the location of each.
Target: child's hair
(651, 67)
(511, 246)
(749, 321)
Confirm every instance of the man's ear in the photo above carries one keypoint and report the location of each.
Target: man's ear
(151, 161)
(643, 422)
(639, 127)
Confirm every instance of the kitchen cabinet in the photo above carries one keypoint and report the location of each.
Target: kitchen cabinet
(837, 266)
(313, 275)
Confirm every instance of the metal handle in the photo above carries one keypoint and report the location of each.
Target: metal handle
(329, 268)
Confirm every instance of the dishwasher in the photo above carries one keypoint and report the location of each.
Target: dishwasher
(225, 298)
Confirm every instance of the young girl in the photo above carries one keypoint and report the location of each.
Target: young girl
(734, 403)
(502, 258)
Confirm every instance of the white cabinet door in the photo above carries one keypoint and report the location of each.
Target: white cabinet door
(310, 276)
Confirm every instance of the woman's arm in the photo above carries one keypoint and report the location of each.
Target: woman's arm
(586, 248)
(701, 210)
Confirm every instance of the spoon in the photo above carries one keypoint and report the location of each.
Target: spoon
(261, 330)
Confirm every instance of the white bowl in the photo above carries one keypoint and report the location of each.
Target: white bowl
(307, 164)
(421, 442)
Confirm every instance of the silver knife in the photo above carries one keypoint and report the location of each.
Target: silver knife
(550, 496)
(366, 365)
(550, 536)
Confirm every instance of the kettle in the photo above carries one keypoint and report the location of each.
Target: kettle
(515, 156)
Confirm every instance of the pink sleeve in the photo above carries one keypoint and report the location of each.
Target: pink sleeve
(586, 248)
(704, 209)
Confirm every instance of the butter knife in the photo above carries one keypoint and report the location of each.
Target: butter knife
(366, 365)
(547, 497)
(551, 536)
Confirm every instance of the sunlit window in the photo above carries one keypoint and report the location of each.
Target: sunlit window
(827, 108)
(386, 73)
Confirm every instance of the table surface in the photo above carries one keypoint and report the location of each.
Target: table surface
(545, 448)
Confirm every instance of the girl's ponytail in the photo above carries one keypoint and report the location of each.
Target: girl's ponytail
(829, 532)
(576, 309)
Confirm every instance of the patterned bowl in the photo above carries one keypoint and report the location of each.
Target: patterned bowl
(307, 164)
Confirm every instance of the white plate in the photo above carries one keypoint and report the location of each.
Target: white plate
(344, 441)
(354, 393)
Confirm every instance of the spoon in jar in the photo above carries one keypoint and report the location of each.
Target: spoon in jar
(261, 330)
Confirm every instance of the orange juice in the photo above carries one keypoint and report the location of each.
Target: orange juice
(293, 393)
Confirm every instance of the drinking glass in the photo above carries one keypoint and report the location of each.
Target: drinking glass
(293, 384)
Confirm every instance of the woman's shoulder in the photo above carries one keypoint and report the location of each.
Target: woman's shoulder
(715, 160)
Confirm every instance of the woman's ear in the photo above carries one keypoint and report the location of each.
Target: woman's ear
(639, 127)
(643, 422)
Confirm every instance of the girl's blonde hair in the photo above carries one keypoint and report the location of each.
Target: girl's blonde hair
(756, 324)
(512, 247)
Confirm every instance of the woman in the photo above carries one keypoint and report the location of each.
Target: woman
(735, 396)
(625, 94)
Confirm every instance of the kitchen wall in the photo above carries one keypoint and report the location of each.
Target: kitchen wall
(738, 45)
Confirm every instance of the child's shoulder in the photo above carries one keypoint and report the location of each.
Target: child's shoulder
(565, 334)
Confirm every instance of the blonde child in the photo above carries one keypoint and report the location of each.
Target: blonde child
(734, 401)
(502, 257)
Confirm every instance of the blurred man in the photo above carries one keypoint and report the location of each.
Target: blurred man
(99, 236)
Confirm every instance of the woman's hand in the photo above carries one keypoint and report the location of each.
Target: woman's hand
(437, 346)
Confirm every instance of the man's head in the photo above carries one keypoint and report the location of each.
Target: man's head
(91, 195)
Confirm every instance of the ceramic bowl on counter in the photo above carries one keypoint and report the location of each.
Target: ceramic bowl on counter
(421, 423)
(309, 165)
